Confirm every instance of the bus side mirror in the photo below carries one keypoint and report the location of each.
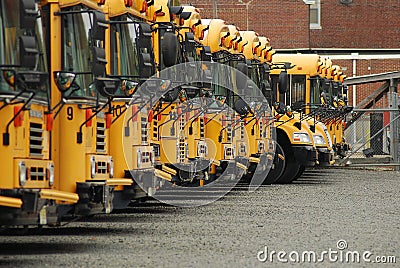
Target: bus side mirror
(241, 81)
(241, 107)
(266, 72)
(283, 82)
(190, 44)
(206, 54)
(99, 26)
(107, 86)
(28, 14)
(207, 78)
(64, 80)
(99, 61)
(29, 53)
(170, 48)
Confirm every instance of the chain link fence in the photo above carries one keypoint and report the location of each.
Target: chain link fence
(374, 138)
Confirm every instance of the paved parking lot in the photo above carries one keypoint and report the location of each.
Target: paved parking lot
(326, 211)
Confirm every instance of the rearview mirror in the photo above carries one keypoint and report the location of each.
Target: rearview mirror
(190, 44)
(107, 86)
(241, 82)
(191, 91)
(99, 61)
(64, 80)
(283, 82)
(241, 107)
(28, 14)
(206, 54)
(9, 76)
(29, 54)
(99, 25)
(129, 87)
(280, 108)
(170, 49)
(32, 80)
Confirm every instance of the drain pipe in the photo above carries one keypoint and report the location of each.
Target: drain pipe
(355, 57)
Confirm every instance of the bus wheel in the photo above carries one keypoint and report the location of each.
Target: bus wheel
(301, 171)
(291, 165)
(279, 166)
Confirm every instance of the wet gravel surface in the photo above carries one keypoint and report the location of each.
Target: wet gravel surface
(361, 207)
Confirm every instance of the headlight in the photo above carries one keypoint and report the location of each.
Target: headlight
(228, 152)
(139, 158)
(93, 167)
(261, 147)
(22, 173)
(319, 140)
(50, 174)
(111, 168)
(201, 149)
(301, 137)
(327, 135)
(152, 157)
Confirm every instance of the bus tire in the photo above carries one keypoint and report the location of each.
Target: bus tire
(291, 167)
(279, 167)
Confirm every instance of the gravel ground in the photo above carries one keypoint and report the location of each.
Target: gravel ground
(313, 214)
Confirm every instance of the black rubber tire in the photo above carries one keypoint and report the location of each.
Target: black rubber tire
(276, 172)
(301, 171)
(170, 49)
(291, 165)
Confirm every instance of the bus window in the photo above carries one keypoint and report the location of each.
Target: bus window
(298, 89)
(315, 90)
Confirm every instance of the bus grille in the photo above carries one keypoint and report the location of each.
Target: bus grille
(35, 140)
(37, 173)
(202, 134)
(182, 143)
(100, 137)
(229, 129)
(144, 130)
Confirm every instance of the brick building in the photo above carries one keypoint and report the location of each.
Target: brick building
(362, 36)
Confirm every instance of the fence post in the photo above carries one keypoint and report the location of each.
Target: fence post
(394, 126)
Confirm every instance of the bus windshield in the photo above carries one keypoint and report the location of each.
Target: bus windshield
(315, 90)
(10, 30)
(76, 51)
(123, 47)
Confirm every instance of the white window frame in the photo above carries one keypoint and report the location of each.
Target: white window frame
(316, 6)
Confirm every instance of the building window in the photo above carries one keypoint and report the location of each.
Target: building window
(315, 15)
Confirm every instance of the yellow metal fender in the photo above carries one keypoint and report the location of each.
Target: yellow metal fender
(59, 195)
(12, 202)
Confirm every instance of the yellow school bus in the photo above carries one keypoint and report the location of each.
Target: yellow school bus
(130, 59)
(28, 194)
(294, 136)
(322, 98)
(224, 128)
(299, 98)
(81, 99)
(260, 127)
